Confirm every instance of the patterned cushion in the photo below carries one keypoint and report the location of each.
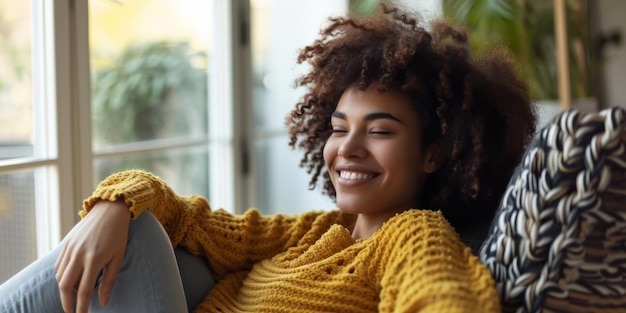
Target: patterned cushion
(558, 241)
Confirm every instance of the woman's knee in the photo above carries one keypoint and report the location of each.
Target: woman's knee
(147, 234)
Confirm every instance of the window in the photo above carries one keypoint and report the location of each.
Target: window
(65, 62)
(29, 158)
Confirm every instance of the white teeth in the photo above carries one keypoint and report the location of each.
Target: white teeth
(354, 175)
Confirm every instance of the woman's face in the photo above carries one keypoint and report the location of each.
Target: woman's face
(374, 155)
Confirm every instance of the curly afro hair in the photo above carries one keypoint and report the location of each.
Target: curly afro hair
(476, 110)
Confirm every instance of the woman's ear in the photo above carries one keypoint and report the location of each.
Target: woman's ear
(433, 158)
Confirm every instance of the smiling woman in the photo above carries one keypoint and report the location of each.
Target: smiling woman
(374, 156)
(474, 116)
(414, 139)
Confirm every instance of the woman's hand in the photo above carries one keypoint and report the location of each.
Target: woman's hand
(99, 244)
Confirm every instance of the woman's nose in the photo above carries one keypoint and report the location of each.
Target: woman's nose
(352, 147)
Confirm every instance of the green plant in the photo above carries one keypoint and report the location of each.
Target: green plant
(152, 90)
(526, 27)
(131, 97)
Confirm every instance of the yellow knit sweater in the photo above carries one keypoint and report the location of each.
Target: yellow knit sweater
(309, 262)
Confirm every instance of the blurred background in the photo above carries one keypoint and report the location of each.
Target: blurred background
(196, 91)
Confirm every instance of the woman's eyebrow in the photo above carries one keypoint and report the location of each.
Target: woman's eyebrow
(381, 115)
(339, 115)
(369, 116)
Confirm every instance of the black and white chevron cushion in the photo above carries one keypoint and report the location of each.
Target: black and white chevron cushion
(558, 241)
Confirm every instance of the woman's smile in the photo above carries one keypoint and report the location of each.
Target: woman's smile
(353, 175)
(348, 175)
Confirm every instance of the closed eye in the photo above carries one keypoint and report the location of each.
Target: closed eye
(381, 132)
(338, 131)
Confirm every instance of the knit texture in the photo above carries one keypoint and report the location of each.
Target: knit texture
(557, 243)
(309, 262)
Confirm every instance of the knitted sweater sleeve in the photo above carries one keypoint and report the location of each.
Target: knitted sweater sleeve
(430, 270)
(229, 242)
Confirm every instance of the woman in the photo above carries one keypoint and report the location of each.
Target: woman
(411, 135)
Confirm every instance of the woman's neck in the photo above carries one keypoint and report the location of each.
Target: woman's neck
(366, 224)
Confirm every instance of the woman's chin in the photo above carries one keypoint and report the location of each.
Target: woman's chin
(351, 207)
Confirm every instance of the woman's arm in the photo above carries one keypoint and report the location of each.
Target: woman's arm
(230, 242)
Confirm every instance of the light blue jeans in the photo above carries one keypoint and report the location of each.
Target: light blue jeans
(153, 277)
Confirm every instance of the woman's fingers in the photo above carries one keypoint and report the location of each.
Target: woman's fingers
(108, 280)
(62, 265)
(77, 275)
(60, 259)
(68, 282)
(86, 287)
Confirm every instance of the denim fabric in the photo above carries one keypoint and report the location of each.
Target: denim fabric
(148, 281)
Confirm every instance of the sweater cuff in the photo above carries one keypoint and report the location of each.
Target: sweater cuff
(134, 186)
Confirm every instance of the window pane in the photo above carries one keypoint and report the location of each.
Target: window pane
(282, 186)
(185, 169)
(18, 236)
(16, 102)
(150, 83)
(149, 69)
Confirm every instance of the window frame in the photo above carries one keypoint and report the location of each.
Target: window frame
(64, 156)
